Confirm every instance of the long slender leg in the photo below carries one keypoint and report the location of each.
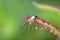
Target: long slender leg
(25, 26)
(30, 25)
(35, 26)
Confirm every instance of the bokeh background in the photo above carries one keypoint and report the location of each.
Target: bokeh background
(13, 12)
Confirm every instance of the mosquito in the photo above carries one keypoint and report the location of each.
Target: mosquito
(35, 20)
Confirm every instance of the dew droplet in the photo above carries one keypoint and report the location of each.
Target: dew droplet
(36, 28)
(51, 31)
(30, 23)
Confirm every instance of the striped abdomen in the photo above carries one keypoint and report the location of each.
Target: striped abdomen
(48, 25)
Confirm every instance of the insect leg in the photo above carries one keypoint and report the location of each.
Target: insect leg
(25, 26)
(35, 26)
(30, 26)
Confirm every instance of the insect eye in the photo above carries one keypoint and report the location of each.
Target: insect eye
(36, 17)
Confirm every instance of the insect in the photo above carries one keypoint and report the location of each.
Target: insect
(38, 21)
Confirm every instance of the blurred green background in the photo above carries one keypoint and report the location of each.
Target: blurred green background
(12, 14)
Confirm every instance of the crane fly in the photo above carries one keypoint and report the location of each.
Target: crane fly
(35, 20)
